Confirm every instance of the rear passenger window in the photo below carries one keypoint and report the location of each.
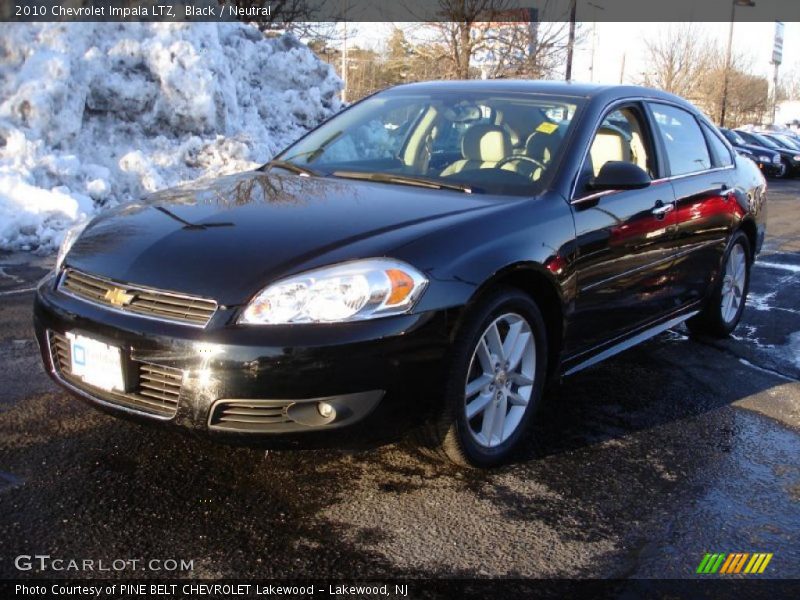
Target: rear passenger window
(685, 144)
(722, 156)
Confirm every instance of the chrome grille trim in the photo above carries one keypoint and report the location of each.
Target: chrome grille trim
(248, 415)
(156, 395)
(149, 303)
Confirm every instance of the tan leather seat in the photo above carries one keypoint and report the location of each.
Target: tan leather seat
(541, 147)
(609, 144)
(482, 147)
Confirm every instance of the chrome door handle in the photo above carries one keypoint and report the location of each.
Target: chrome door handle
(662, 209)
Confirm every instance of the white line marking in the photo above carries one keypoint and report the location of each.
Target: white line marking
(785, 267)
(747, 363)
(13, 292)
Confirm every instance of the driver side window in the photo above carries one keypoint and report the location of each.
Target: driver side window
(621, 137)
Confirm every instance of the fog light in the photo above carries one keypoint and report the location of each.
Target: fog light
(325, 410)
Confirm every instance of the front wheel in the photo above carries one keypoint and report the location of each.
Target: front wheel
(724, 309)
(495, 382)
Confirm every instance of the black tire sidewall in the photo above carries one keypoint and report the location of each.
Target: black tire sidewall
(457, 437)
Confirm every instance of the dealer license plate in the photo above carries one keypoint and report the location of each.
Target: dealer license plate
(96, 363)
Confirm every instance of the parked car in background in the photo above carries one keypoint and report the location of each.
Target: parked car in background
(787, 141)
(369, 272)
(768, 160)
(790, 158)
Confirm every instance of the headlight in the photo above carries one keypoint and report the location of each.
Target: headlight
(796, 158)
(763, 158)
(353, 291)
(70, 236)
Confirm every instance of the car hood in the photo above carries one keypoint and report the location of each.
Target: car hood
(759, 150)
(229, 238)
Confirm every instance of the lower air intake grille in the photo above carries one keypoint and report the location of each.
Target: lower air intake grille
(249, 415)
(157, 391)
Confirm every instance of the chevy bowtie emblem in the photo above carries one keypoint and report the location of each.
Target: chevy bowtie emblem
(119, 297)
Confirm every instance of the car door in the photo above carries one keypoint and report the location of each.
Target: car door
(700, 167)
(623, 237)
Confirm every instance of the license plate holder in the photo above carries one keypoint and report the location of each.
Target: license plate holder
(96, 363)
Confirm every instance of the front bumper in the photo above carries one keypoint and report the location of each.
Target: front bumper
(248, 380)
(770, 169)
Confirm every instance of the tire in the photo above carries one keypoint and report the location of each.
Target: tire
(464, 440)
(724, 308)
(785, 170)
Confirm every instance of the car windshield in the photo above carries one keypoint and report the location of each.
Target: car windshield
(787, 142)
(733, 137)
(506, 144)
(765, 141)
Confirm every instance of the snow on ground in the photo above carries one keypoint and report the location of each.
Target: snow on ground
(93, 114)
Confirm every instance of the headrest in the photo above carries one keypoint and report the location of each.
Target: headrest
(541, 144)
(609, 145)
(485, 143)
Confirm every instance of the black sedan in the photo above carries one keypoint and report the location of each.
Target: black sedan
(440, 247)
(790, 158)
(784, 141)
(767, 159)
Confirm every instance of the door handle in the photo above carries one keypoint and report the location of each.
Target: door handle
(661, 210)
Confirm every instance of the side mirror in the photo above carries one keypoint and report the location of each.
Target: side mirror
(620, 175)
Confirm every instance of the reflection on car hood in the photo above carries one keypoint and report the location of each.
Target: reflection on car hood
(228, 239)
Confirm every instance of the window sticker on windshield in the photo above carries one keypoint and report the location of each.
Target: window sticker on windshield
(547, 128)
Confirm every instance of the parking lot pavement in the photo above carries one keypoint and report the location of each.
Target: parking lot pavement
(637, 467)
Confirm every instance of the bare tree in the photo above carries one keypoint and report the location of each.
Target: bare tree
(748, 98)
(789, 87)
(527, 50)
(676, 60)
(463, 31)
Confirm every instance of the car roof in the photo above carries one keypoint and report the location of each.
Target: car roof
(538, 86)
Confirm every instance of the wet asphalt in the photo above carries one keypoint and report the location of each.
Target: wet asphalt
(637, 467)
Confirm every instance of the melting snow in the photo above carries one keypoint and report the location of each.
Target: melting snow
(93, 114)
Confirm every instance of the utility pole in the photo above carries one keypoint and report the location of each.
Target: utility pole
(777, 59)
(571, 40)
(344, 54)
(595, 7)
(728, 52)
(622, 68)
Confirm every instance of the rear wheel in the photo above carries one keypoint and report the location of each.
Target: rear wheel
(724, 309)
(495, 381)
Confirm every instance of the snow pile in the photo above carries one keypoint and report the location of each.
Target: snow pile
(93, 114)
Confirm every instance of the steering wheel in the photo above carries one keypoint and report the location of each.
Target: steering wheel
(514, 157)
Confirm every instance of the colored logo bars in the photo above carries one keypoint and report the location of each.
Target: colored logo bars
(730, 564)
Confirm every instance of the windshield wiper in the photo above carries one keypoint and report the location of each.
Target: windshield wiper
(290, 166)
(312, 155)
(403, 180)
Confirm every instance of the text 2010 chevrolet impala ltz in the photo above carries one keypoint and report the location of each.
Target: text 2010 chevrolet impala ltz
(460, 242)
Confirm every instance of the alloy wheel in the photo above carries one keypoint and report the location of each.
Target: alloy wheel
(733, 283)
(500, 380)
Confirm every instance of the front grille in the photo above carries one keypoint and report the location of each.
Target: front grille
(157, 390)
(249, 415)
(166, 306)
